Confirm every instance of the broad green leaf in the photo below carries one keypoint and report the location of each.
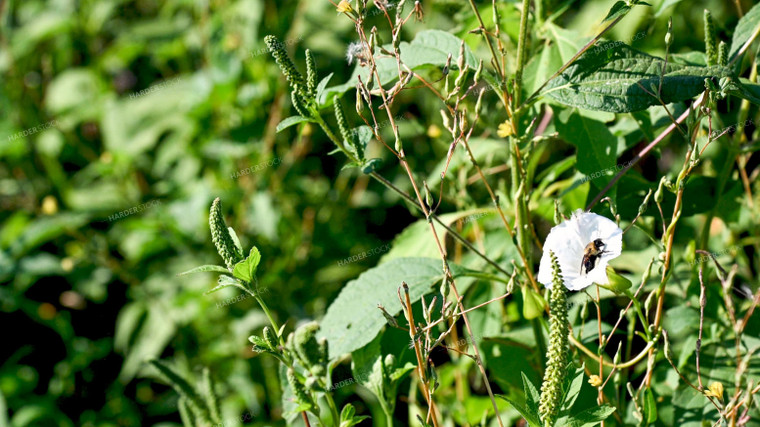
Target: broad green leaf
(532, 420)
(429, 47)
(246, 269)
(744, 29)
(597, 146)
(572, 388)
(531, 395)
(353, 319)
(290, 121)
(216, 268)
(618, 79)
(591, 417)
(417, 240)
(748, 91)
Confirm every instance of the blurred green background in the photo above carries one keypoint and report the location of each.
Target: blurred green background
(157, 107)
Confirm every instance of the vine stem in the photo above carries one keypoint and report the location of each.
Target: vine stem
(418, 353)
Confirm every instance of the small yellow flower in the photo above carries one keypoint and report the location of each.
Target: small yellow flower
(433, 131)
(595, 381)
(345, 7)
(49, 205)
(505, 129)
(715, 390)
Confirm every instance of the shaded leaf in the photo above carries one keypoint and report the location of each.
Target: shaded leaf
(617, 80)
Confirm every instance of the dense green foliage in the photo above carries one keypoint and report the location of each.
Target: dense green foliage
(366, 187)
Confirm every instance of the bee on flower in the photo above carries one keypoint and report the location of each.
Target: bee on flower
(583, 245)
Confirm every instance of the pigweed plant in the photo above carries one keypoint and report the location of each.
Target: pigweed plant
(615, 323)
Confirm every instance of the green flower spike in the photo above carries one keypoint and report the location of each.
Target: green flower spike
(299, 391)
(711, 43)
(311, 74)
(299, 105)
(283, 61)
(308, 349)
(556, 365)
(221, 236)
(722, 54)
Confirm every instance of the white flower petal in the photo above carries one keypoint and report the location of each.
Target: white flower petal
(568, 241)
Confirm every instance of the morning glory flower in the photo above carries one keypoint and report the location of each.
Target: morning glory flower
(569, 241)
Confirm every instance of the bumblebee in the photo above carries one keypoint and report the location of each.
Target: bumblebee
(591, 253)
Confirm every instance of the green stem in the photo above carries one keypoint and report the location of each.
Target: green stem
(333, 409)
(521, 41)
(407, 197)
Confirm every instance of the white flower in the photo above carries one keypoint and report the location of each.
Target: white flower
(568, 241)
(354, 50)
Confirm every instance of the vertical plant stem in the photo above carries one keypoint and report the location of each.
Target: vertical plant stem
(521, 41)
(420, 360)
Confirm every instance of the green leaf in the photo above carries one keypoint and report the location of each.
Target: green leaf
(532, 419)
(371, 165)
(322, 85)
(214, 268)
(573, 388)
(246, 269)
(746, 26)
(348, 416)
(650, 407)
(223, 282)
(360, 137)
(346, 331)
(748, 91)
(531, 395)
(617, 9)
(614, 79)
(429, 47)
(292, 120)
(664, 5)
(183, 388)
(236, 241)
(597, 146)
(591, 417)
